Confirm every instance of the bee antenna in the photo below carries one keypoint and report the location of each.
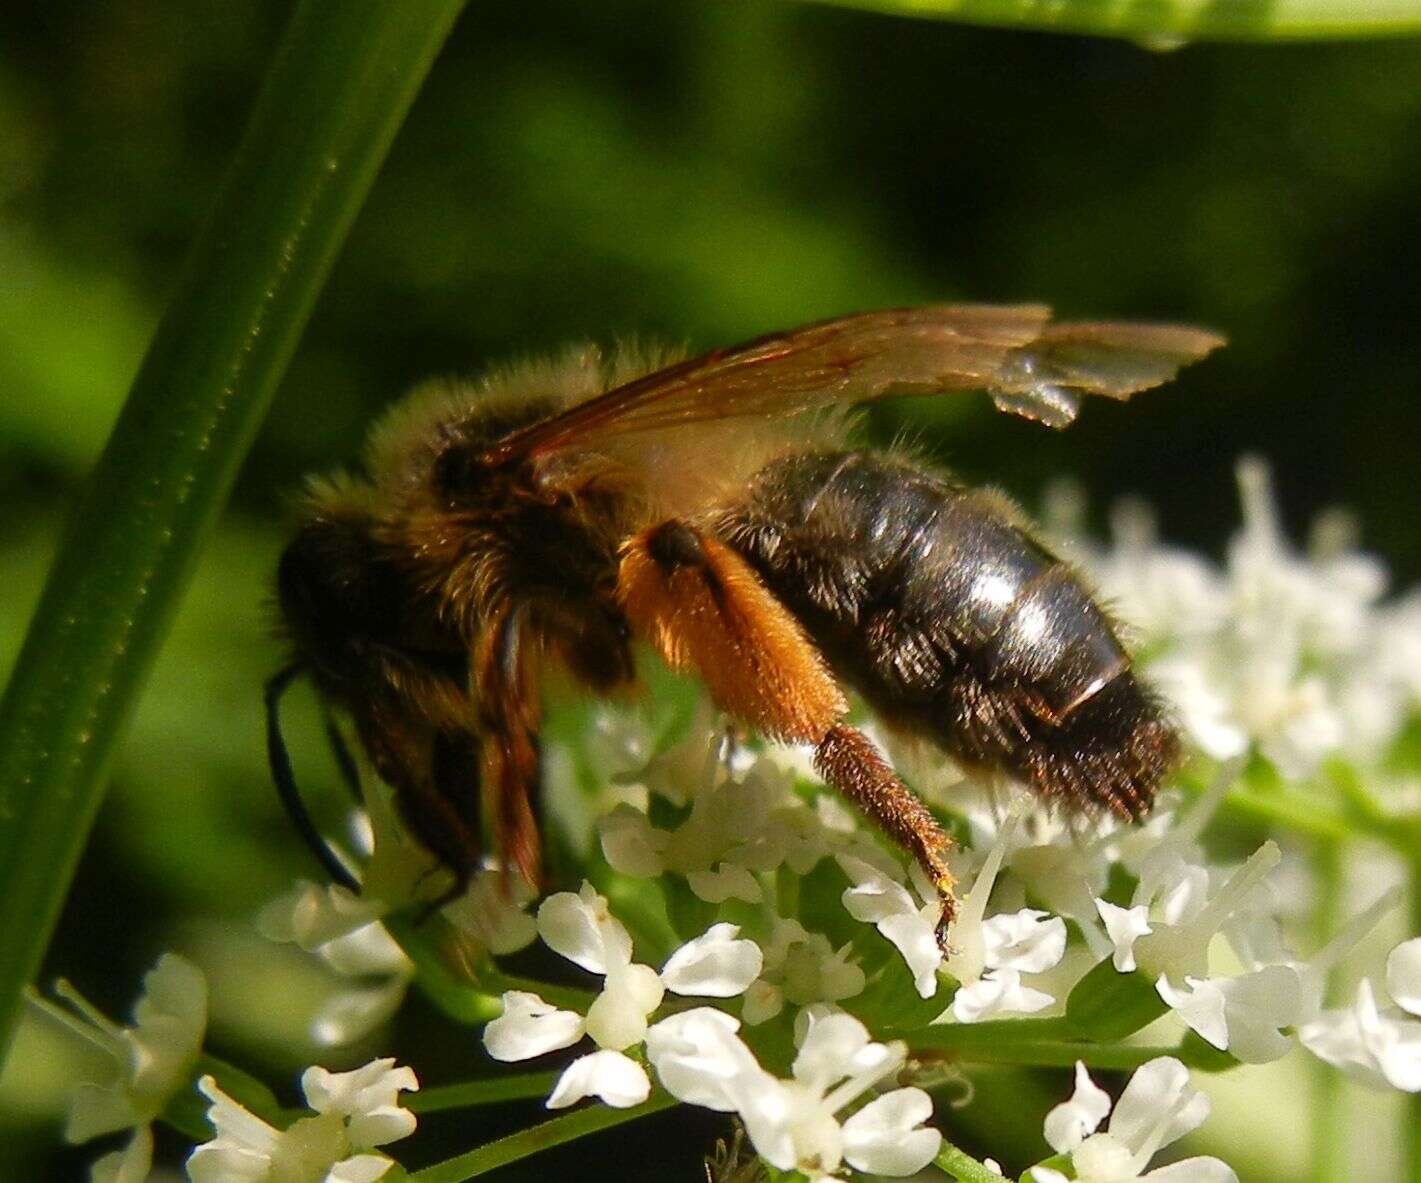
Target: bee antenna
(285, 781)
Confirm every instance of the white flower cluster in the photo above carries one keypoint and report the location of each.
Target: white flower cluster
(766, 911)
(354, 1112)
(1157, 1107)
(1289, 653)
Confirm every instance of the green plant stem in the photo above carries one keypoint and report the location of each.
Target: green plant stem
(963, 1167)
(468, 995)
(343, 77)
(481, 1092)
(566, 1128)
(1330, 1151)
(1413, 1101)
(1064, 1053)
(1170, 22)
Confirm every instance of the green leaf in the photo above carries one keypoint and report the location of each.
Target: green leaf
(343, 78)
(1168, 24)
(1108, 1005)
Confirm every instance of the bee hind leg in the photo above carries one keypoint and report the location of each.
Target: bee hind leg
(705, 609)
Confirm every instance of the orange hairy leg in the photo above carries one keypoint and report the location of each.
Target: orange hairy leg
(704, 609)
(509, 717)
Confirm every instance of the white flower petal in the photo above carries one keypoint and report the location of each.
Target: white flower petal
(368, 1098)
(616, 1079)
(728, 881)
(883, 1137)
(1158, 1092)
(714, 965)
(529, 1027)
(916, 939)
(1071, 1122)
(360, 1168)
(350, 1014)
(1200, 1003)
(631, 844)
(617, 1017)
(830, 1047)
(1028, 941)
(1047, 1175)
(1403, 975)
(1124, 926)
(873, 896)
(577, 926)
(997, 992)
(367, 950)
(1195, 1170)
(699, 1058)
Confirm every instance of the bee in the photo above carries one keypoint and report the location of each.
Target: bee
(555, 514)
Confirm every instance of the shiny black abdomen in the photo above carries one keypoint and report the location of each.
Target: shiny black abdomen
(952, 621)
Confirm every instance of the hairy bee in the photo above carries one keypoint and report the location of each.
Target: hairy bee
(711, 506)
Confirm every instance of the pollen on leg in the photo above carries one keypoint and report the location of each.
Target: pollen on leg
(705, 609)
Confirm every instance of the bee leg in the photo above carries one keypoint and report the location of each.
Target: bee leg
(509, 718)
(281, 774)
(705, 608)
(349, 770)
(848, 761)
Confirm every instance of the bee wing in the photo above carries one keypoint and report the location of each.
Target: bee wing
(1030, 366)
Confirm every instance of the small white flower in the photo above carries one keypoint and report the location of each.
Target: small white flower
(698, 1057)
(581, 928)
(1157, 1107)
(738, 827)
(793, 1123)
(1379, 1047)
(529, 1027)
(997, 992)
(800, 967)
(344, 930)
(1124, 926)
(617, 1079)
(714, 964)
(1013, 943)
(153, 1060)
(910, 924)
(354, 1112)
(1240, 1015)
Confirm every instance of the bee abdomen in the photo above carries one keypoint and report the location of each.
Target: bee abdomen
(955, 623)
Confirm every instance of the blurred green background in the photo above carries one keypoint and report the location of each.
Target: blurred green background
(704, 172)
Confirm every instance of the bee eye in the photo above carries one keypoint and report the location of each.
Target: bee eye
(456, 471)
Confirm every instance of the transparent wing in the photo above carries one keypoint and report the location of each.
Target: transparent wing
(1030, 366)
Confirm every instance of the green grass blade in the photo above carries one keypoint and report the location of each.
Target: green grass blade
(1165, 24)
(343, 78)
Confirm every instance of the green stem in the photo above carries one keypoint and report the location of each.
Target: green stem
(1413, 1101)
(481, 1092)
(963, 1167)
(1170, 22)
(468, 994)
(1330, 1151)
(1111, 1056)
(343, 77)
(566, 1128)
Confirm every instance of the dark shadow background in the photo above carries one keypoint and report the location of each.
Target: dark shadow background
(701, 171)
